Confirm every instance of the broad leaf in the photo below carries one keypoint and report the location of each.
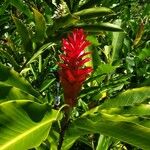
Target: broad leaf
(128, 98)
(12, 78)
(8, 92)
(24, 125)
(139, 110)
(122, 128)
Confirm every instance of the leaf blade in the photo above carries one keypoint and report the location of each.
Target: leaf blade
(26, 130)
(93, 12)
(128, 98)
(40, 26)
(95, 28)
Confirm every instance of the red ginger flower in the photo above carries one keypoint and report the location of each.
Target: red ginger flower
(73, 72)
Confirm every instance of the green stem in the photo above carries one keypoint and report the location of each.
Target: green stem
(64, 126)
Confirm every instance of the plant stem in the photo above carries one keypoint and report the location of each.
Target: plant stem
(64, 126)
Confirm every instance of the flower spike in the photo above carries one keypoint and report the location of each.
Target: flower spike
(72, 70)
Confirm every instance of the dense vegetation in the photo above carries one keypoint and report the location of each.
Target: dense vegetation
(112, 109)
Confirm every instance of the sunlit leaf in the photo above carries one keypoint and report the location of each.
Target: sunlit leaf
(129, 97)
(8, 92)
(10, 77)
(139, 110)
(117, 127)
(24, 124)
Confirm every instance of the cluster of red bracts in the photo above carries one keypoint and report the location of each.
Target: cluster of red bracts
(72, 70)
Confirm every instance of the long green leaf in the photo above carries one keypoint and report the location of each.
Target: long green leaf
(93, 12)
(8, 92)
(121, 128)
(40, 26)
(100, 27)
(140, 110)
(40, 51)
(24, 125)
(65, 21)
(26, 40)
(46, 84)
(103, 142)
(128, 98)
(117, 43)
(10, 77)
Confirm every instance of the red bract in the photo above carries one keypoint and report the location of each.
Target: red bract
(72, 70)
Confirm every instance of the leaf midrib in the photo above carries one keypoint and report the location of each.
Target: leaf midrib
(11, 142)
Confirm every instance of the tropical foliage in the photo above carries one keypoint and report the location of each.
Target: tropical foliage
(42, 63)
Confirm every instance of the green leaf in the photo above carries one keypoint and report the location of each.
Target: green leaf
(117, 43)
(144, 53)
(87, 4)
(65, 21)
(99, 27)
(23, 32)
(8, 92)
(96, 61)
(103, 142)
(53, 139)
(46, 84)
(93, 12)
(93, 39)
(75, 5)
(69, 141)
(22, 7)
(128, 98)
(89, 91)
(10, 59)
(140, 110)
(117, 127)
(4, 7)
(106, 68)
(10, 77)
(24, 124)
(39, 52)
(98, 77)
(40, 26)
